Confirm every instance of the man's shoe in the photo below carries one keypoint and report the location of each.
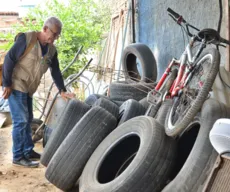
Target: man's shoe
(24, 162)
(33, 155)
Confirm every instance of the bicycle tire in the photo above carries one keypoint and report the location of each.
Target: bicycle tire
(174, 129)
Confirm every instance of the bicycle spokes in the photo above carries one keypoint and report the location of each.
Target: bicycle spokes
(191, 90)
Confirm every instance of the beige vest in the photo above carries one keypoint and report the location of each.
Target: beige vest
(29, 70)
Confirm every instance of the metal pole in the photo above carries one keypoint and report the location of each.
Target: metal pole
(124, 37)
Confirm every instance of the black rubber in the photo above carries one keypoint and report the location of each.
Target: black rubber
(73, 112)
(162, 112)
(136, 156)
(146, 58)
(199, 163)
(46, 135)
(123, 91)
(91, 99)
(144, 103)
(35, 124)
(108, 105)
(130, 109)
(68, 162)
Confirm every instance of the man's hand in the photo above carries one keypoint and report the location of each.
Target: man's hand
(66, 95)
(6, 92)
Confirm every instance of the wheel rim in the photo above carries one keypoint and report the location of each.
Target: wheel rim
(183, 103)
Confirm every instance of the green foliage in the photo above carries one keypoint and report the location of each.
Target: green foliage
(84, 21)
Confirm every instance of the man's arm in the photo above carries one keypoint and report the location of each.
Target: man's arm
(58, 79)
(10, 61)
(56, 73)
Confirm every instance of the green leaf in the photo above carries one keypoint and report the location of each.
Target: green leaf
(84, 21)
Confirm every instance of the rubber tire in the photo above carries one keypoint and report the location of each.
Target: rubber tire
(146, 58)
(35, 124)
(91, 99)
(46, 135)
(150, 168)
(202, 157)
(118, 103)
(178, 128)
(74, 111)
(123, 92)
(144, 103)
(163, 111)
(108, 105)
(68, 162)
(130, 109)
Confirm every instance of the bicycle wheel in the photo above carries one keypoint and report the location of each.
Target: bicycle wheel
(186, 106)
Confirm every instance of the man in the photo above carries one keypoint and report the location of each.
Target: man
(21, 77)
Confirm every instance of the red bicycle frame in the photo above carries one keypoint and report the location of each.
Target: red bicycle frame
(183, 73)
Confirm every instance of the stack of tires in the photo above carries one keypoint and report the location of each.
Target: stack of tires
(110, 144)
(139, 71)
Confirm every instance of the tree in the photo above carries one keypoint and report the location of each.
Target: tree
(84, 21)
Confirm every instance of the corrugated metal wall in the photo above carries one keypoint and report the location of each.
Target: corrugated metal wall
(164, 36)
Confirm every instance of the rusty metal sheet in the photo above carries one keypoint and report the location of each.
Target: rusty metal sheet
(56, 112)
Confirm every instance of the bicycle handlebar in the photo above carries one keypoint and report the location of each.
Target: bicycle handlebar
(179, 19)
(176, 16)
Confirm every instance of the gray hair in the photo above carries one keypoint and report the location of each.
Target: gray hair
(53, 21)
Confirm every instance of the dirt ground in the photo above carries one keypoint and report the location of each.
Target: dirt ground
(19, 179)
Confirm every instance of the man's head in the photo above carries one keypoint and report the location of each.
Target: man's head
(51, 29)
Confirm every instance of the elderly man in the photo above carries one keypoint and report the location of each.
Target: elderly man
(25, 63)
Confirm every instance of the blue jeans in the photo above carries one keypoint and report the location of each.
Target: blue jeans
(21, 110)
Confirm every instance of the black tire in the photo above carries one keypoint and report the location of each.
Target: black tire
(74, 111)
(144, 103)
(152, 110)
(189, 110)
(35, 124)
(123, 92)
(108, 105)
(148, 63)
(201, 159)
(163, 111)
(130, 109)
(141, 156)
(118, 103)
(91, 99)
(46, 135)
(68, 162)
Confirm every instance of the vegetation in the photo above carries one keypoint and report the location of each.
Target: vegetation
(84, 21)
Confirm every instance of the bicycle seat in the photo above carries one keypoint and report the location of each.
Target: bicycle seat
(209, 35)
(220, 136)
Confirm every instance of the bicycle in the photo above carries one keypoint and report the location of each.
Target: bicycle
(188, 80)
